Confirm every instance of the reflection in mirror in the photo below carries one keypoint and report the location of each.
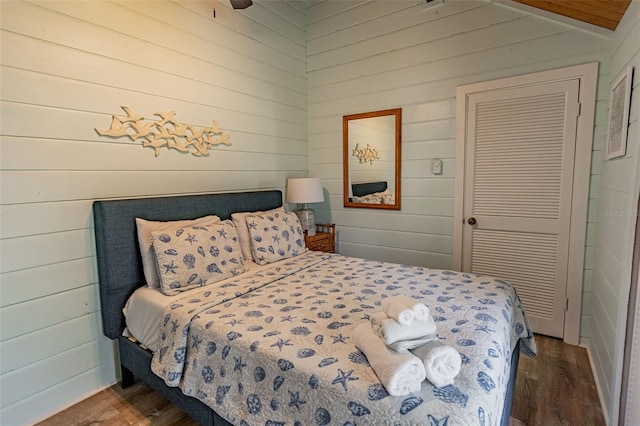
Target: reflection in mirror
(371, 159)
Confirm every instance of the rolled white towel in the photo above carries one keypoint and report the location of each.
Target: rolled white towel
(391, 331)
(399, 373)
(441, 362)
(398, 311)
(420, 310)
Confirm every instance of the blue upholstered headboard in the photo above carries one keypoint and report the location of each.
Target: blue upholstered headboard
(119, 261)
(360, 189)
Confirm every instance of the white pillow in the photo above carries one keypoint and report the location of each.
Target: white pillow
(196, 256)
(146, 227)
(243, 232)
(275, 236)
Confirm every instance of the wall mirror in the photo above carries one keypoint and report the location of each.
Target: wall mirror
(371, 159)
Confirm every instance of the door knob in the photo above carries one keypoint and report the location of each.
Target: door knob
(472, 221)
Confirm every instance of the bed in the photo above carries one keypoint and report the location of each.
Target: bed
(273, 345)
(372, 193)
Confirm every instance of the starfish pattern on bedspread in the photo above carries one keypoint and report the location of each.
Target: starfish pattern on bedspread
(276, 347)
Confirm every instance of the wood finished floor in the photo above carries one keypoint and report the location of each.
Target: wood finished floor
(554, 388)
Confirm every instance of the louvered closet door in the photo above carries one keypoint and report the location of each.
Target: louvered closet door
(518, 185)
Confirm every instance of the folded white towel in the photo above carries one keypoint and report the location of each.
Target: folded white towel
(420, 310)
(398, 311)
(441, 362)
(391, 331)
(399, 373)
(407, 345)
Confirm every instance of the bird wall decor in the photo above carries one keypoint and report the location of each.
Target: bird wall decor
(166, 132)
(366, 155)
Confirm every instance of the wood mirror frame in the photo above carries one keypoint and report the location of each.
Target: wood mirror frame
(372, 141)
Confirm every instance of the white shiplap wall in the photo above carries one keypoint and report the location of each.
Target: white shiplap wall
(66, 67)
(365, 56)
(615, 220)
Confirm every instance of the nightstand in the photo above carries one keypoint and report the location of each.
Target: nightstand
(324, 240)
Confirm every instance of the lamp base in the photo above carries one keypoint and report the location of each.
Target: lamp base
(307, 219)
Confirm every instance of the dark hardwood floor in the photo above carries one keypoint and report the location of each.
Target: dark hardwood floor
(136, 405)
(554, 388)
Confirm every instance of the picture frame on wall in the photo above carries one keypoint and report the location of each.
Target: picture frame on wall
(619, 101)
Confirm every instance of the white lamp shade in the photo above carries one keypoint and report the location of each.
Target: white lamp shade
(304, 190)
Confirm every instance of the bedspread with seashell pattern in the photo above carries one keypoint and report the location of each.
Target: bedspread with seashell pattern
(276, 347)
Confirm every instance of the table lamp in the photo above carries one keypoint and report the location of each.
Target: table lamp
(304, 191)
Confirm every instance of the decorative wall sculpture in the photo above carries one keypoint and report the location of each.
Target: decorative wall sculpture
(166, 132)
(367, 154)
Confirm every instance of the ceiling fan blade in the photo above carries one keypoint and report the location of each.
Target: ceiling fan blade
(241, 4)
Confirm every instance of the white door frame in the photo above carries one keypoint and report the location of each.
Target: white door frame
(588, 75)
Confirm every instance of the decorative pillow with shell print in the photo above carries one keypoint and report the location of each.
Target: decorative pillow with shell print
(146, 227)
(196, 256)
(275, 236)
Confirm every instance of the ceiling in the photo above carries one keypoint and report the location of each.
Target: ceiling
(603, 13)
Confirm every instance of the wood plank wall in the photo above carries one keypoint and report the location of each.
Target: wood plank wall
(66, 68)
(365, 56)
(616, 215)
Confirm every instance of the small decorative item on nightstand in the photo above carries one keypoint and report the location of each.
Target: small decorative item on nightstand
(323, 240)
